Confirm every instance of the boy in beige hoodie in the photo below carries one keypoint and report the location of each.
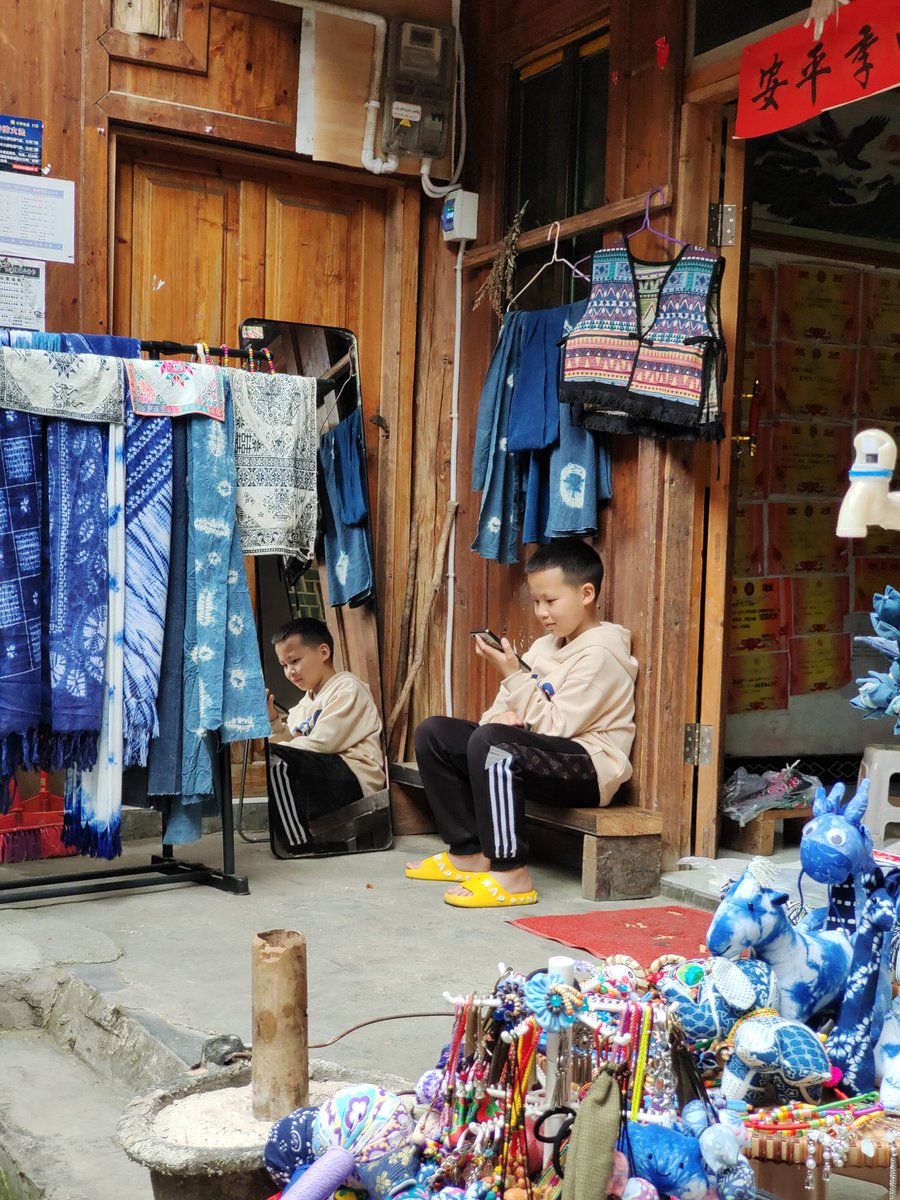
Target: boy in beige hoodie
(326, 752)
(559, 733)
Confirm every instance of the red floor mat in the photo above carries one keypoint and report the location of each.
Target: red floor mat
(644, 933)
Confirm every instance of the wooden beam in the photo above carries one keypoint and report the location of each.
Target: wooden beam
(716, 81)
(587, 222)
(184, 47)
(159, 18)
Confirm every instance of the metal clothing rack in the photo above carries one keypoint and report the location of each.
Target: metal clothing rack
(165, 869)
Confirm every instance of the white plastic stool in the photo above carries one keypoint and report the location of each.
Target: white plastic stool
(879, 764)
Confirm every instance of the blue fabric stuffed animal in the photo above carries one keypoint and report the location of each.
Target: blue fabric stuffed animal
(771, 1050)
(836, 849)
(669, 1160)
(851, 1045)
(727, 991)
(811, 966)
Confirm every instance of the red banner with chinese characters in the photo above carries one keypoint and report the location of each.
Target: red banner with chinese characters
(791, 76)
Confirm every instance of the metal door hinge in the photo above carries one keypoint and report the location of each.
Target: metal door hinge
(722, 225)
(698, 745)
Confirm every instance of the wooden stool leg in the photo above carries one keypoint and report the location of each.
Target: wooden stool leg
(785, 1180)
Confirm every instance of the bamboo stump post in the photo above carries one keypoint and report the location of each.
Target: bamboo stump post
(280, 1064)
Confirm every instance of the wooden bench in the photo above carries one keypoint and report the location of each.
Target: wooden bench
(758, 835)
(621, 846)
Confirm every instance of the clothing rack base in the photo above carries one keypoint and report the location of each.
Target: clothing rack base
(160, 872)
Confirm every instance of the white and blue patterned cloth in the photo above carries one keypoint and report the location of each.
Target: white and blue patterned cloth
(93, 811)
(21, 495)
(275, 444)
(148, 527)
(76, 473)
(224, 692)
(77, 387)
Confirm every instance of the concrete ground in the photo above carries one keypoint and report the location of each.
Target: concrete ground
(102, 997)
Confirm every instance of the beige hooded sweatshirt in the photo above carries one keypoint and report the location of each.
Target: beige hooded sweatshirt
(592, 678)
(342, 719)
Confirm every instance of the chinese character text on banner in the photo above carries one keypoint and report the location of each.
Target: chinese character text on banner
(791, 76)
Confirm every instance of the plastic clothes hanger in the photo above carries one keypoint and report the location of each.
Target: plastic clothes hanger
(555, 258)
(666, 237)
(645, 226)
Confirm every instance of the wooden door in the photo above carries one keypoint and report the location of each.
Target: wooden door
(713, 172)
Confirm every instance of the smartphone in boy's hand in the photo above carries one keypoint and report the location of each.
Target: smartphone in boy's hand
(490, 638)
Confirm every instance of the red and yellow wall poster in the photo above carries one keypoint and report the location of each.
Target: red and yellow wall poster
(819, 603)
(881, 308)
(872, 575)
(748, 541)
(760, 304)
(814, 381)
(750, 472)
(757, 386)
(809, 458)
(802, 539)
(819, 663)
(757, 682)
(818, 302)
(759, 614)
(879, 384)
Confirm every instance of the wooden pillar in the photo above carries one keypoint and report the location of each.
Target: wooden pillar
(280, 1036)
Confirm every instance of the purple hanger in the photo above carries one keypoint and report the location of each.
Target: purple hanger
(666, 237)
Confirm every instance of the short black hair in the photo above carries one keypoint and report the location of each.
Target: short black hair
(579, 562)
(310, 630)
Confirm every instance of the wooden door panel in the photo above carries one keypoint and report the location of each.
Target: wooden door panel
(311, 260)
(183, 257)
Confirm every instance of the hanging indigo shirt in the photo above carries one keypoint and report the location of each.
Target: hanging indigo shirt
(534, 406)
(345, 520)
(496, 471)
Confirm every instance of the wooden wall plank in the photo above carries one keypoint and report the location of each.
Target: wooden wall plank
(156, 17)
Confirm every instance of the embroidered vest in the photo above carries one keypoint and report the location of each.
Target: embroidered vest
(647, 356)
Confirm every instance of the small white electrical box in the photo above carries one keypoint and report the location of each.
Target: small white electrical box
(418, 89)
(459, 217)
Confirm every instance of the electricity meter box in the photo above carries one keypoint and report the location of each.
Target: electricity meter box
(418, 89)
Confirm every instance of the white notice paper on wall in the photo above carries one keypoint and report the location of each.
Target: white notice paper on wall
(37, 217)
(22, 294)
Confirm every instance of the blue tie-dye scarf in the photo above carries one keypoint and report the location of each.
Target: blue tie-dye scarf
(224, 691)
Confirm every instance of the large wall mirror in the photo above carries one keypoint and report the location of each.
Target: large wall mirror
(338, 588)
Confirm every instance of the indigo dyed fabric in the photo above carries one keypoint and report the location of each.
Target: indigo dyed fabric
(224, 691)
(534, 404)
(21, 528)
(164, 758)
(148, 523)
(275, 444)
(496, 470)
(345, 518)
(77, 465)
(78, 387)
(93, 808)
(289, 1145)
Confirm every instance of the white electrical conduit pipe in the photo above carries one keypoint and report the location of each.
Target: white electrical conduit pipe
(434, 190)
(454, 471)
(368, 158)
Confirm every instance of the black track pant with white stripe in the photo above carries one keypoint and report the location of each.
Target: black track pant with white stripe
(304, 785)
(478, 777)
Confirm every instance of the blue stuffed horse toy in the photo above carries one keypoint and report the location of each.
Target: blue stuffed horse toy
(811, 966)
(836, 849)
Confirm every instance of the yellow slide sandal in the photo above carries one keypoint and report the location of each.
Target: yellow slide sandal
(486, 892)
(438, 869)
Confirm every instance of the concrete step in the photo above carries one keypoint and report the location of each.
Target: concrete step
(141, 824)
(58, 1126)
